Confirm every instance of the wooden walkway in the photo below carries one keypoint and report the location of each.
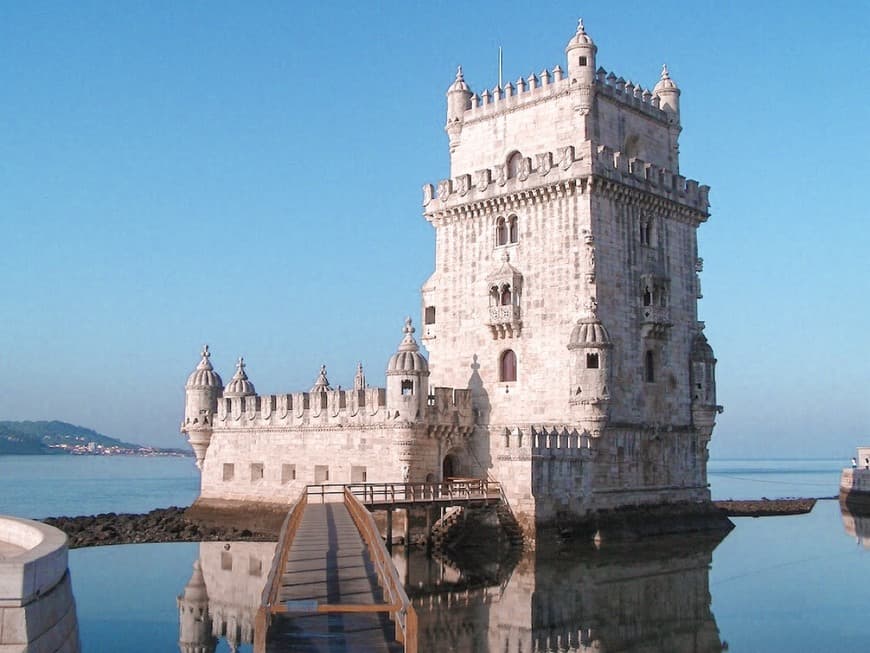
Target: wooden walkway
(333, 586)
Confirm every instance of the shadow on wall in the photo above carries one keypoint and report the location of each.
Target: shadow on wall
(481, 452)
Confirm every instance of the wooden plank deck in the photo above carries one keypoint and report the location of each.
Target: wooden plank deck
(328, 563)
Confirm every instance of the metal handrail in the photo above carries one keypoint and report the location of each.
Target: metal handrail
(398, 604)
(269, 597)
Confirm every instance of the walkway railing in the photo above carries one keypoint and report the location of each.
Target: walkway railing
(269, 600)
(384, 494)
(398, 604)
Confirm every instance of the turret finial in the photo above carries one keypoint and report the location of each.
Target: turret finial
(459, 77)
(408, 330)
(240, 364)
(580, 28)
(665, 73)
(205, 352)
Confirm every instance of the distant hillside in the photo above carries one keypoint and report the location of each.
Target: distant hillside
(62, 438)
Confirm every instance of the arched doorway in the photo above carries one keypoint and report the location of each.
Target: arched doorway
(450, 468)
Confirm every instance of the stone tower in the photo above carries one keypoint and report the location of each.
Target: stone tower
(202, 390)
(565, 290)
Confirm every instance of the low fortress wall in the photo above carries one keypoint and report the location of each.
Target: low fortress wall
(37, 609)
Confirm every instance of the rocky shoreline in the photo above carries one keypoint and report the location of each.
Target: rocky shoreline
(158, 526)
(174, 524)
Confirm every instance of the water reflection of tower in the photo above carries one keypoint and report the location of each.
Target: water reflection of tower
(643, 599)
(194, 622)
(223, 595)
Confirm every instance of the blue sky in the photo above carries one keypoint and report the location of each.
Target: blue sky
(249, 174)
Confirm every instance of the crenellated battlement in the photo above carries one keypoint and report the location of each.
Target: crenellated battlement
(487, 187)
(446, 406)
(630, 94)
(559, 440)
(538, 87)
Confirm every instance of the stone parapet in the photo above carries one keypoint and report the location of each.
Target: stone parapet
(37, 609)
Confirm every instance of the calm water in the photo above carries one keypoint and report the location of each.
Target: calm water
(54, 486)
(774, 584)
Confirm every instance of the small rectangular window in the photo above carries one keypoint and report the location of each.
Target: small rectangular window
(229, 471)
(255, 566)
(256, 472)
(321, 473)
(288, 473)
(581, 61)
(407, 387)
(592, 361)
(430, 315)
(226, 561)
(357, 474)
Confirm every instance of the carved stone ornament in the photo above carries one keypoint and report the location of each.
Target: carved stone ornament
(463, 184)
(428, 193)
(545, 163)
(525, 169)
(567, 157)
(445, 187)
(484, 179)
(502, 175)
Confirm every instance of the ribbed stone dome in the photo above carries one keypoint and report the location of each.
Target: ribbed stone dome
(239, 385)
(408, 358)
(588, 332)
(581, 37)
(459, 83)
(204, 375)
(701, 349)
(665, 83)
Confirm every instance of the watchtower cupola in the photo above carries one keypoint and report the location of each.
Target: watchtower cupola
(407, 379)
(240, 385)
(591, 371)
(201, 393)
(581, 52)
(458, 100)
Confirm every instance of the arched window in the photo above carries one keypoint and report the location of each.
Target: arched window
(494, 296)
(508, 366)
(506, 295)
(501, 232)
(513, 165)
(647, 297)
(513, 229)
(649, 370)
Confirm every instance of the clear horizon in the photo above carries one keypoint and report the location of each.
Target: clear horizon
(249, 177)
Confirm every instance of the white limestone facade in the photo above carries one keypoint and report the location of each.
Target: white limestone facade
(566, 358)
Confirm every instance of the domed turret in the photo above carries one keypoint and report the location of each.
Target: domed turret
(458, 100)
(703, 376)
(194, 622)
(204, 375)
(322, 383)
(590, 347)
(407, 378)
(239, 385)
(581, 57)
(668, 92)
(703, 372)
(202, 390)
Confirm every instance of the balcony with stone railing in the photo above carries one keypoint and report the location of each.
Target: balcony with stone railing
(655, 321)
(504, 321)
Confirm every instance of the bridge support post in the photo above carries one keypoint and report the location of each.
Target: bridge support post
(390, 530)
(428, 530)
(407, 527)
